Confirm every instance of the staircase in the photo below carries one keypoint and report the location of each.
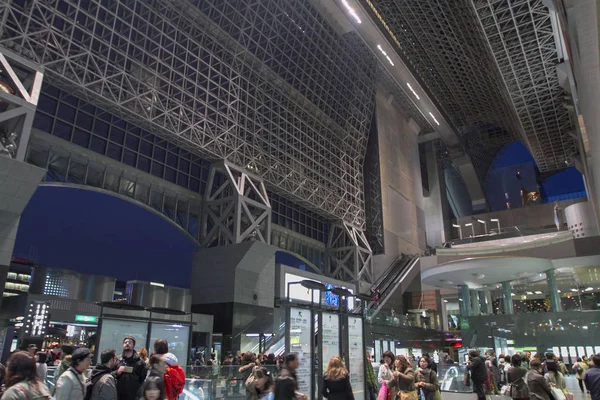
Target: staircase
(397, 277)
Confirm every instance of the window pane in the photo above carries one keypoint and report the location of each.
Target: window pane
(156, 200)
(169, 208)
(57, 167)
(95, 177)
(182, 210)
(77, 172)
(111, 181)
(98, 145)
(127, 187)
(38, 156)
(81, 138)
(142, 191)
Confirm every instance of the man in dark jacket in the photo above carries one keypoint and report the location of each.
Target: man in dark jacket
(131, 371)
(592, 378)
(478, 372)
(102, 382)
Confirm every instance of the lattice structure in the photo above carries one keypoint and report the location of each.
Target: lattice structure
(373, 200)
(443, 44)
(237, 210)
(267, 84)
(20, 84)
(521, 37)
(350, 256)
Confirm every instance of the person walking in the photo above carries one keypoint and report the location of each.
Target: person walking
(404, 380)
(371, 379)
(539, 387)
(426, 379)
(71, 384)
(580, 367)
(515, 378)
(174, 377)
(291, 364)
(554, 376)
(103, 384)
(21, 380)
(131, 371)
(336, 382)
(592, 378)
(478, 371)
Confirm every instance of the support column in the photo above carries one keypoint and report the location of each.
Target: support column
(553, 291)
(508, 301)
(236, 208)
(349, 252)
(475, 309)
(465, 304)
(485, 302)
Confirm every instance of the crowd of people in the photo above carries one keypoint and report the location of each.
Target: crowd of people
(523, 377)
(127, 376)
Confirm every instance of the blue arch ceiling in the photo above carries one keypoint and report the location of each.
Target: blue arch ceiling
(97, 233)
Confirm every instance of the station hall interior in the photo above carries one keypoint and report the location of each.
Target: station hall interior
(420, 177)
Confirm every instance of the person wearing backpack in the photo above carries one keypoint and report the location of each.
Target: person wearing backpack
(174, 377)
(21, 380)
(515, 378)
(71, 385)
(102, 385)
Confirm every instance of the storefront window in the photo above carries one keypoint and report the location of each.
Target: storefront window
(176, 335)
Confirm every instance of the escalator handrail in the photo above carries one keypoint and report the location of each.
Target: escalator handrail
(401, 270)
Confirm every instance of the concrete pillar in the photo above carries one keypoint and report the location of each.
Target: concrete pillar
(475, 308)
(508, 301)
(553, 291)
(485, 302)
(465, 304)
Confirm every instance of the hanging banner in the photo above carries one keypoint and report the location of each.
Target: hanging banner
(300, 344)
(330, 337)
(356, 355)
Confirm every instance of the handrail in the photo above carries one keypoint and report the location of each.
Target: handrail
(398, 272)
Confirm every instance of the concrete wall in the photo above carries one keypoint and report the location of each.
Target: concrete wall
(436, 225)
(401, 190)
(541, 215)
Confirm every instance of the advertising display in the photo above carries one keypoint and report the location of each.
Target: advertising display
(356, 354)
(300, 343)
(330, 337)
(114, 330)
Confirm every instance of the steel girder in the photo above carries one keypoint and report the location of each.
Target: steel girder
(266, 85)
(236, 210)
(445, 45)
(21, 84)
(350, 256)
(521, 37)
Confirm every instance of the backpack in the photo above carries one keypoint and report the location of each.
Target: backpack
(174, 381)
(28, 397)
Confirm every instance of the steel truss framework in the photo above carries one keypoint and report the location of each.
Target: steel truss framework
(350, 256)
(447, 47)
(522, 39)
(17, 106)
(267, 85)
(237, 210)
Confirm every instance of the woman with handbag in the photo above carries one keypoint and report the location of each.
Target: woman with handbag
(336, 381)
(426, 380)
(555, 377)
(404, 380)
(385, 376)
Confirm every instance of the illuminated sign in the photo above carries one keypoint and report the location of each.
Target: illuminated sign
(36, 321)
(86, 318)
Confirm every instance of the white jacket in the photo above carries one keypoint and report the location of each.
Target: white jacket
(70, 386)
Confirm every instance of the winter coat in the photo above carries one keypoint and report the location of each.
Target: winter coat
(478, 370)
(174, 381)
(128, 384)
(337, 389)
(557, 379)
(70, 385)
(104, 384)
(26, 391)
(539, 387)
(515, 376)
(432, 384)
(405, 382)
(385, 375)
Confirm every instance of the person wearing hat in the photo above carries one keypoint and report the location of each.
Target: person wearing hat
(174, 377)
(71, 385)
(131, 371)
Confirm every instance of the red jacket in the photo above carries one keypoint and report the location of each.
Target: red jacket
(174, 382)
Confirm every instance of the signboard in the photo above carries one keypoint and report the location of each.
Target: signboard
(300, 343)
(298, 292)
(356, 355)
(86, 318)
(36, 321)
(330, 337)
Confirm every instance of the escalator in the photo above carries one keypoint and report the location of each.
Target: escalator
(394, 282)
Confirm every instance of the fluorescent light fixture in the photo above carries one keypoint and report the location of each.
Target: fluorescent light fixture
(469, 224)
(445, 301)
(434, 119)
(573, 290)
(456, 226)
(385, 54)
(512, 294)
(481, 221)
(558, 291)
(588, 289)
(252, 335)
(351, 11)
(157, 284)
(529, 293)
(413, 91)
(537, 292)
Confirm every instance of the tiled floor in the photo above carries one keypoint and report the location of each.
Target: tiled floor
(573, 387)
